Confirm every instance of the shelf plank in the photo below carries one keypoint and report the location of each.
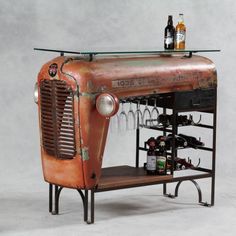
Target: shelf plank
(119, 177)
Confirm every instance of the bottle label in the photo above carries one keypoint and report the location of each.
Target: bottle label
(169, 40)
(161, 164)
(151, 163)
(180, 36)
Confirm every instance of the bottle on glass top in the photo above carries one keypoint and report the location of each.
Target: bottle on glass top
(180, 33)
(169, 34)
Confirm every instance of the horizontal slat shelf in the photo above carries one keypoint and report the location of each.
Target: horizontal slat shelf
(121, 177)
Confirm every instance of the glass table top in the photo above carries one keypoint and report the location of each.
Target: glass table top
(92, 53)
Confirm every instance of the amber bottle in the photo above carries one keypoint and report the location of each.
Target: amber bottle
(180, 33)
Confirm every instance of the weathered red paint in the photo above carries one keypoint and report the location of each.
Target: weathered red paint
(124, 77)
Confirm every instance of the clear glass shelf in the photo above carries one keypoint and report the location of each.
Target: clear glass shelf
(92, 53)
(130, 52)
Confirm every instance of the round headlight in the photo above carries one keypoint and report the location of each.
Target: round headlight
(107, 105)
(36, 93)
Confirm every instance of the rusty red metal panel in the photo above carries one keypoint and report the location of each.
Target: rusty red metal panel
(124, 77)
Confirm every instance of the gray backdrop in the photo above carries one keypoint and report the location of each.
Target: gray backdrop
(102, 25)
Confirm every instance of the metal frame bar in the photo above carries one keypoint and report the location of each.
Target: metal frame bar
(164, 134)
(88, 197)
(89, 201)
(214, 151)
(137, 141)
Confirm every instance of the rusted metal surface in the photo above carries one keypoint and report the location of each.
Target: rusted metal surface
(124, 77)
(57, 119)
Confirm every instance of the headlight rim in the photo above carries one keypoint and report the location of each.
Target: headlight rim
(115, 104)
(36, 93)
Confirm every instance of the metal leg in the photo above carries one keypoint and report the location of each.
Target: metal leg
(50, 197)
(177, 188)
(57, 196)
(196, 185)
(174, 152)
(198, 189)
(164, 189)
(91, 221)
(56, 190)
(164, 134)
(54, 199)
(84, 200)
(165, 192)
(84, 197)
(214, 153)
(212, 190)
(92, 206)
(137, 141)
(137, 148)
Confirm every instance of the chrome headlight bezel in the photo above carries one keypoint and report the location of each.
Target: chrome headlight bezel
(107, 104)
(36, 93)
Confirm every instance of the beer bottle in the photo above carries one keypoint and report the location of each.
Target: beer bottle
(180, 33)
(161, 158)
(151, 157)
(169, 34)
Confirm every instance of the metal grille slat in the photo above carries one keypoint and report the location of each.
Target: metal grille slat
(57, 120)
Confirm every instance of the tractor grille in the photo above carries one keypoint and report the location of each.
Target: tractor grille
(57, 120)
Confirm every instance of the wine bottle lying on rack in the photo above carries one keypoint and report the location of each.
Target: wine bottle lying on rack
(167, 120)
(181, 141)
(192, 141)
(179, 163)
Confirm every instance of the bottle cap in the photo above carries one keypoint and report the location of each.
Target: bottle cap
(162, 143)
(152, 142)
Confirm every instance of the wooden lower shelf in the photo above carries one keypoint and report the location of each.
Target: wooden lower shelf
(119, 177)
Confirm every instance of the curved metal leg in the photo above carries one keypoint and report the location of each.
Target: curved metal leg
(57, 196)
(198, 189)
(54, 201)
(84, 204)
(196, 185)
(177, 188)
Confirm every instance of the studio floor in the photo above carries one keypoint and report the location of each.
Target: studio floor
(136, 211)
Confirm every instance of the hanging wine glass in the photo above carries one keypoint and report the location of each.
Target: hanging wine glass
(122, 120)
(155, 114)
(114, 123)
(146, 115)
(138, 117)
(131, 118)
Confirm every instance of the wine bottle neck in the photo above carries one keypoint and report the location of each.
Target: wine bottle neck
(170, 20)
(181, 19)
